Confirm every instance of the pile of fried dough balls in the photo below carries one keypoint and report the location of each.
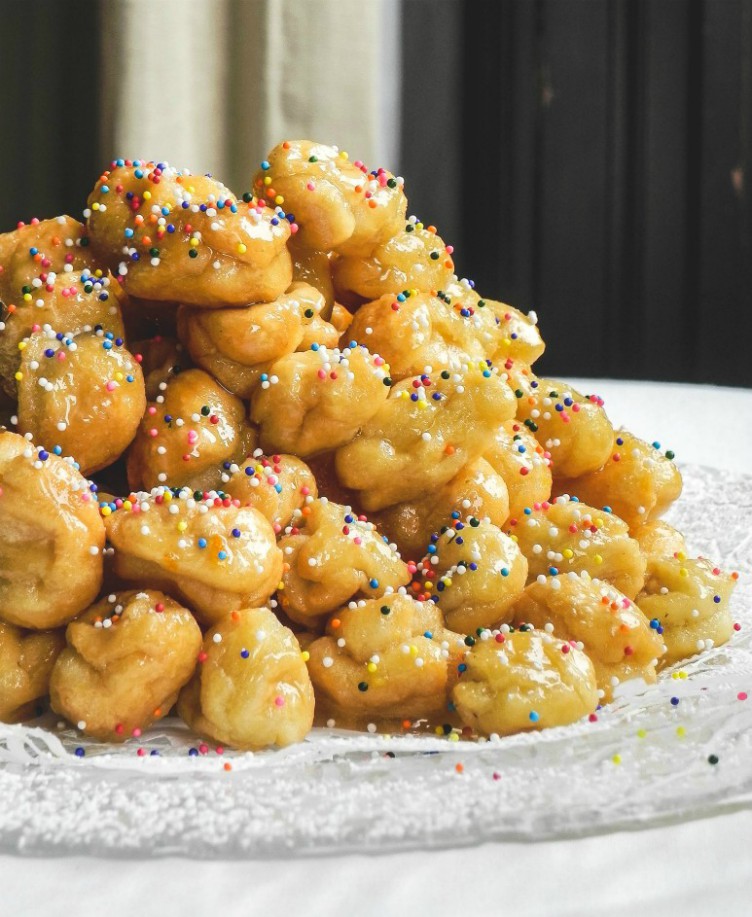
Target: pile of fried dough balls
(267, 452)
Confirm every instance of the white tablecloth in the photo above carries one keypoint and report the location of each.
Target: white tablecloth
(694, 868)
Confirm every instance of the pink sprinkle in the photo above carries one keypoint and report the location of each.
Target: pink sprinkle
(279, 700)
(449, 249)
(136, 732)
(151, 411)
(192, 437)
(141, 752)
(321, 374)
(111, 386)
(60, 355)
(742, 695)
(153, 432)
(310, 186)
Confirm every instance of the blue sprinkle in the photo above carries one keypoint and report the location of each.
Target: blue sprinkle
(534, 717)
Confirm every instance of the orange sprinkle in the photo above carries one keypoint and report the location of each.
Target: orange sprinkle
(335, 623)
(227, 766)
(406, 724)
(235, 615)
(459, 767)
(449, 449)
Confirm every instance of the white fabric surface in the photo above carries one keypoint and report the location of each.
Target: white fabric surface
(695, 868)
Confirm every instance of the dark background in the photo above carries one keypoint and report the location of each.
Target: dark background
(588, 158)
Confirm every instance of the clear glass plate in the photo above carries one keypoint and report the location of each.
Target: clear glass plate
(644, 761)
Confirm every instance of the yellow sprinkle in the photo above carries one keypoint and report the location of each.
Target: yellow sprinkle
(127, 504)
(146, 195)
(439, 731)
(194, 242)
(167, 496)
(682, 674)
(305, 655)
(106, 511)
(453, 737)
(616, 759)
(681, 731)
(568, 553)
(343, 155)
(98, 272)
(413, 650)
(419, 226)
(279, 199)
(641, 733)
(280, 586)
(598, 523)
(681, 556)
(267, 180)
(182, 525)
(118, 377)
(27, 297)
(598, 559)
(507, 342)
(192, 188)
(95, 206)
(683, 572)
(18, 377)
(22, 345)
(242, 248)
(371, 666)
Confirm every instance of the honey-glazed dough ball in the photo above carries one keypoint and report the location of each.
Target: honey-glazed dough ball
(475, 572)
(26, 661)
(476, 490)
(415, 330)
(573, 428)
(524, 680)
(602, 621)
(414, 259)
(688, 600)
(237, 346)
(341, 319)
(390, 658)
(84, 394)
(638, 481)
(568, 535)
(319, 399)
(48, 276)
(252, 689)
(337, 204)
(161, 359)
(275, 485)
(425, 433)
(52, 537)
(658, 538)
(523, 463)
(314, 269)
(212, 554)
(170, 235)
(331, 558)
(127, 658)
(186, 435)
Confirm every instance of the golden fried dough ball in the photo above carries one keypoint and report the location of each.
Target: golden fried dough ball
(416, 330)
(602, 621)
(638, 482)
(211, 553)
(186, 435)
(337, 204)
(251, 689)
(523, 463)
(688, 600)
(319, 399)
(85, 394)
(161, 359)
(416, 258)
(389, 657)
(275, 485)
(524, 680)
(333, 557)
(237, 346)
(476, 490)
(475, 572)
(170, 235)
(568, 535)
(428, 429)
(127, 658)
(26, 661)
(573, 428)
(314, 269)
(658, 538)
(51, 537)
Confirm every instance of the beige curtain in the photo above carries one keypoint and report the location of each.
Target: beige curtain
(212, 85)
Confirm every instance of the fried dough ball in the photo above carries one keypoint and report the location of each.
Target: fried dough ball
(338, 204)
(183, 438)
(276, 486)
(476, 572)
(52, 537)
(522, 462)
(161, 359)
(422, 329)
(414, 259)
(688, 600)
(569, 535)
(48, 277)
(85, 394)
(252, 689)
(573, 428)
(476, 490)
(638, 482)
(127, 658)
(385, 657)
(211, 553)
(26, 661)
(237, 346)
(428, 429)
(319, 399)
(334, 557)
(602, 621)
(341, 319)
(524, 680)
(173, 236)
(315, 270)
(658, 538)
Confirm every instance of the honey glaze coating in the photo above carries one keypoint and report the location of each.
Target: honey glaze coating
(126, 659)
(524, 680)
(332, 556)
(566, 535)
(211, 553)
(600, 620)
(314, 269)
(52, 537)
(251, 689)
(84, 394)
(428, 429)
(26, 661)
(389, 657)
(192, 427)
(658, 538)
(522, 463)
(169, 235)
